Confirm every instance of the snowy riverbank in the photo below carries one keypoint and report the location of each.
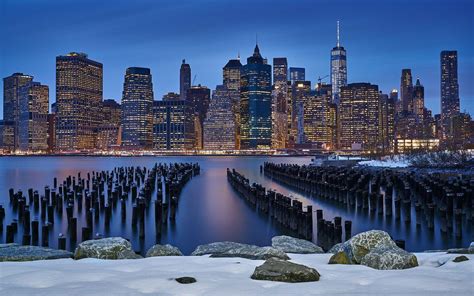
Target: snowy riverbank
(435, 275)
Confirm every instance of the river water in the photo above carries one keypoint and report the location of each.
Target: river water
(209, 210)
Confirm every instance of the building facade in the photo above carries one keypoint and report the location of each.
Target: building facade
(449, 89)
(109, 133)
(255, 103)
(280, 103)
(199, 98)
(184, 80)
(137, 109)
(79, 83)
(231, 80)
(338, 68)
(406, 90)
(297, 74)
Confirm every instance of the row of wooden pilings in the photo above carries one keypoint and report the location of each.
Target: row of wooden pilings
(96, 197)
(288, 212)
(387, 192)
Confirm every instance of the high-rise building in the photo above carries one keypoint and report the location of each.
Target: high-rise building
(301, 91)
(79, 83)
(137, 109)
(449, 88)
(418, 99)
(7, 134)
(33, 124)
(231, 80)
(338, 68)
(387, 113)
(297, 74)
(171, 96)
(219, 125)
(359, 108)
(11, 105)
(406, 90)
(173, 125)
(319, 120)
(280, 103)
(255, 103)
(184, 80)
(109, 133)
(199, 97)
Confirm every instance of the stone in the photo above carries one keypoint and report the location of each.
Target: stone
(231, 249)
(278, 270)
(460, 259)
(339, 258)
(336, 248)
(185, 280)
(106, 248)
(163, 250)
(290, 244)
(389, 257)
(361, 244)
(16, 252)
(468, 250)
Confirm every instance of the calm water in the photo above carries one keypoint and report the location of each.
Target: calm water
(209, 210)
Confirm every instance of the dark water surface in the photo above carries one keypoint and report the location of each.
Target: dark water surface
(209, 210)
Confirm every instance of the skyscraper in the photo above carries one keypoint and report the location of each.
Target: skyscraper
(297, 74)
(406, 90)
(231, 80)
(79, 100)
(449, 88)
(33, 119)
(199, 97)
(301, 92)
(109, 133)
(418, 99)
(219, 124)
(11, 106)
(359, 116)
(137, 109)
(280, 103)
(338, 68)
(255, 103)
(319, 124)
(184, 80)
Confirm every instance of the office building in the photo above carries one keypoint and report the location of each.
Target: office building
(184, 80)
(297, 74)
(338, 68)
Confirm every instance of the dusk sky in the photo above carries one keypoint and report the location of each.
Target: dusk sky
(381, 38)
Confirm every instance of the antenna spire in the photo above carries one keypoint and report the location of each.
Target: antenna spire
(337, 33)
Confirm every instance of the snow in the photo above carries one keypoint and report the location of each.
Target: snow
(398, 161)
(231, 276)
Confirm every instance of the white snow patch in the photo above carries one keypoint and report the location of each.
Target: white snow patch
(397, 161)
(231, 276)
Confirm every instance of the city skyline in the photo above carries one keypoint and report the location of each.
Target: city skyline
(312, 54)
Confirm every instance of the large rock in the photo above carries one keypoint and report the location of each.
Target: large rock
(185, 280)
(389, 257)
(336, 248)
(461, 258)
(361, 244)
(290, 244)
(469, 250)
(339, 258)
(163, 250)
(106, 248)
(275, 269)
(231, 249)
(16, 252)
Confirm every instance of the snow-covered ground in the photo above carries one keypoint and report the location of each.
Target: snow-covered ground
(231, 276)
(397, 161)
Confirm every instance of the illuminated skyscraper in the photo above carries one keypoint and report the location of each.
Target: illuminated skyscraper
(301, 91)
(173, 125)
(359, 116)
(255, 104)
(184, 80)
(79, 100)
(338, 68)
(319, 118)
(33, 123)
(406, 90)
(297, 74)
(199, 97)
(137, 109)
(231, 80)
(11, 107)
(219, 125)
(109, 133)
(418, 99)
(280, 103)
(449, 88)
(386, 122)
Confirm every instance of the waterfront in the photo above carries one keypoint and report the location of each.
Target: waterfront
(209, 209)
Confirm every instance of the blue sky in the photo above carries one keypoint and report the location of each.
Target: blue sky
(381, 38)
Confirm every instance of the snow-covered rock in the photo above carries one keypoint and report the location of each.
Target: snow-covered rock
(232, 249)
(16, 252)
(278, 270)
(106, 248)
(468, 250)
(388, 258)
(163, 250)
(336, 248)
(289, 244)
(361, 244)
(339, 258)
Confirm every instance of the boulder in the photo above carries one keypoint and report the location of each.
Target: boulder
(163, 250)
(339, 258)
(16, 252)
(278, 270)
(336, 248)
(361, 244)
(460, 259)
(106, 248)
(389, 257)
(290, 244)
(231, 249)
(185, 280)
